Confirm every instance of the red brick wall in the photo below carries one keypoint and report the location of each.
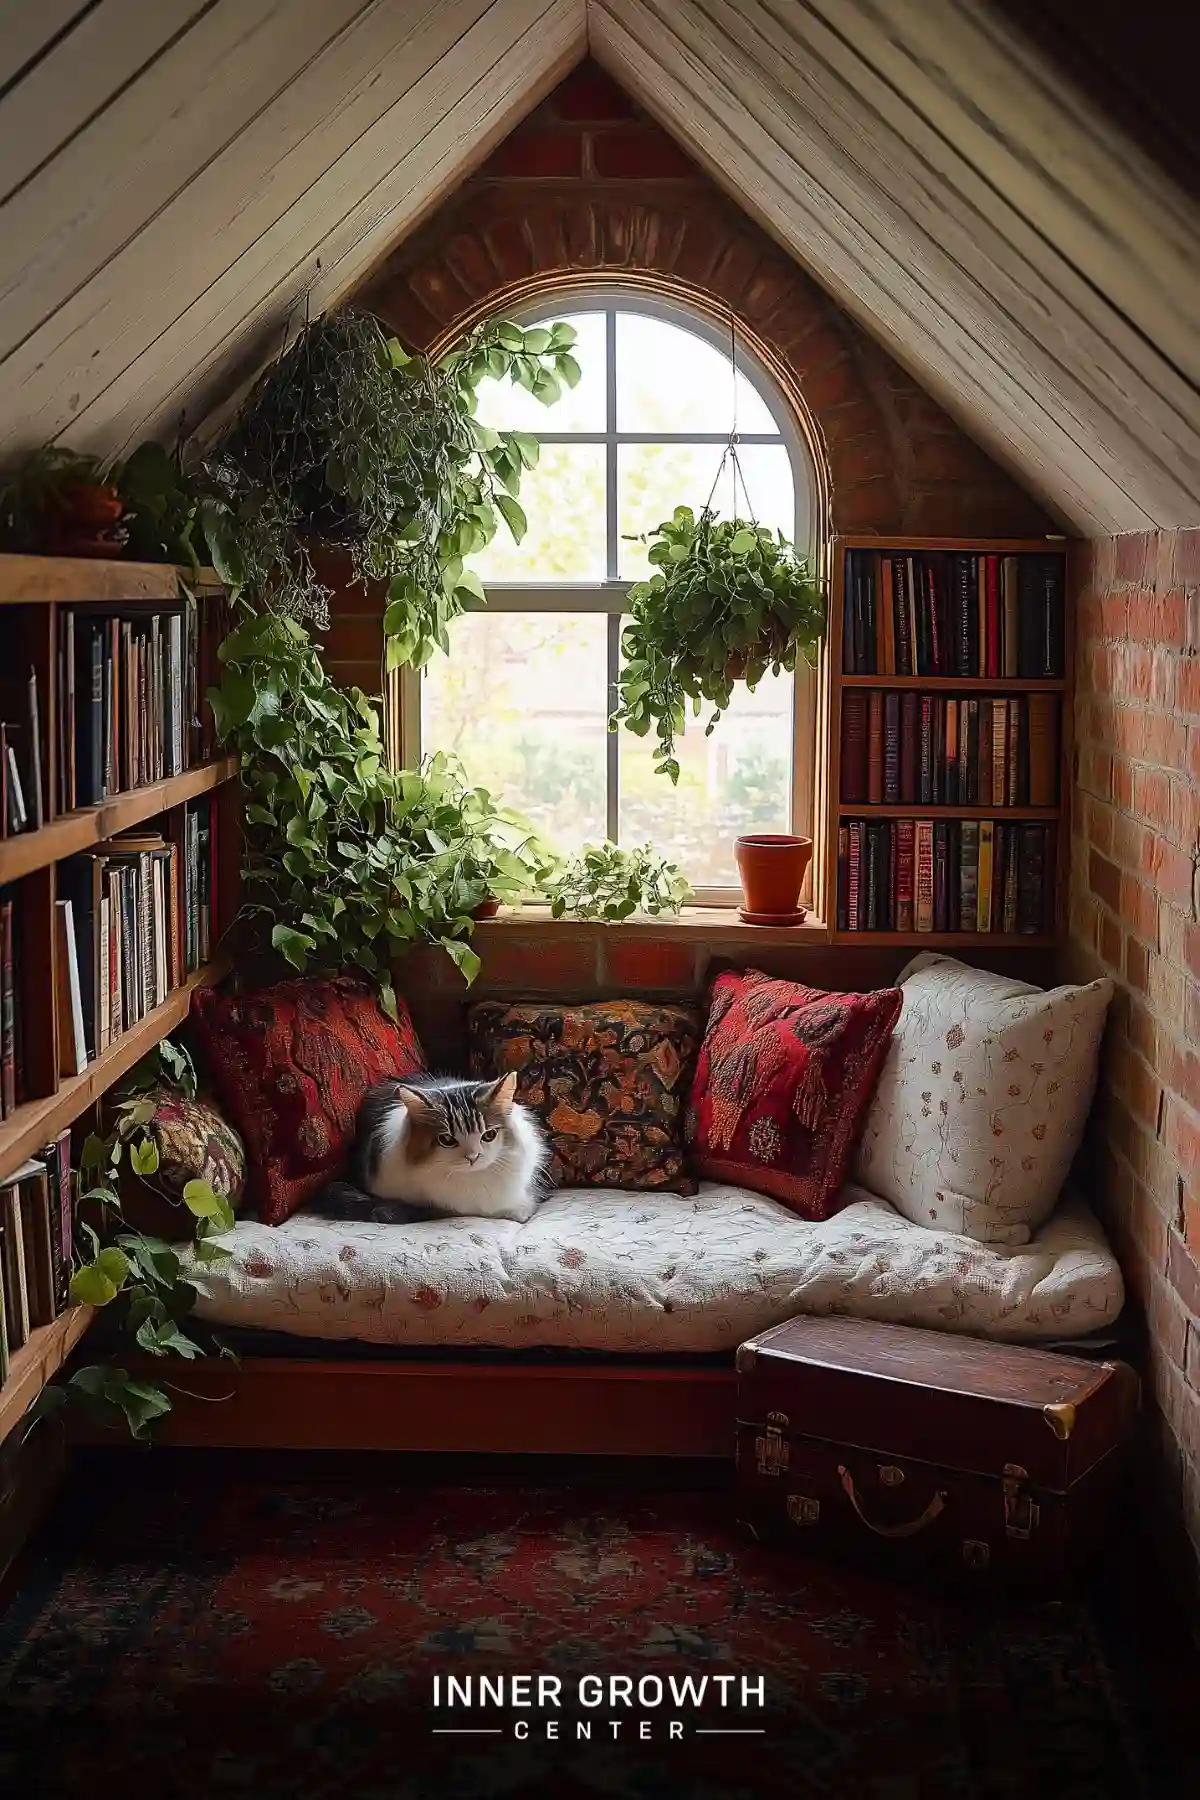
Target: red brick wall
(1134, 892)
(588, 185)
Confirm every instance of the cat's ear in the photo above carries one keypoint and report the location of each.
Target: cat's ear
(414, 1103)
(498, 1098)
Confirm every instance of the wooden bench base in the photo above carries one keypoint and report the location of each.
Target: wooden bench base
(491, 1408)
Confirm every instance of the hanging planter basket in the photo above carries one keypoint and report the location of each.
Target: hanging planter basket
(729, 601)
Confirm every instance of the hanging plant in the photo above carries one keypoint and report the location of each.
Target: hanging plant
(728, 600)
(350, 441)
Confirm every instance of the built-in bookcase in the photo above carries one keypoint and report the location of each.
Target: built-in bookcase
(947, 724)
(103, 667)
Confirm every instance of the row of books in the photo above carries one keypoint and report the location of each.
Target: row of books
(954, 613)
(135, 916)
(932, 750)
(914, 875)
(35, 1245)
(128, 699)
(22, 789)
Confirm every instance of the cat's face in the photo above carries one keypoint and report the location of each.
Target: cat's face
(461, 1131)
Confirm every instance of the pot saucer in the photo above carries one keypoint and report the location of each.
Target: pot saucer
(760, 918)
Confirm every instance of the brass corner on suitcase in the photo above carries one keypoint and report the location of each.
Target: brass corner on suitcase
(1060, 1419)
(747, 1356)
(771, 1448)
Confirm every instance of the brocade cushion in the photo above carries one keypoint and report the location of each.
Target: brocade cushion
(607, 1081)
(784, 1077)
(291, 1064)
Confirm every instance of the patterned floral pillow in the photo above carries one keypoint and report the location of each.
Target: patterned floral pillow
(785, 1075)
(982, 1100)
(607, 1080)
(291, 1064)
(194, 1143)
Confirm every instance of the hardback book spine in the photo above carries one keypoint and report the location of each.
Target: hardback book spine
(15, 1278)
(992, 584)
(972, 795)
(983, 892)
(941, 885)
(904, 637)
(953, 710)
(878, 629)
(891, 748)
(68, 732)
(8, 1009)
(887, 876)
(843, 878)
(923, 898)
(910, 747)
(116, 954)
(905, 873)
(65, 1212)
(854, 750)
(1011, 845)
(872, 873)
(981, 616)
(35, 1223)
(1009, 633)
(999, 753)
(916, 634)
(968, 887)
(1017, 771)
(4, 1357)
(925, 776)
(1042, 713)
(854, 880)
(1029, 598)
(175, 690)
(159, 867)
(875, 748)
(1031, 876)
(933, 606)
(887, 603)
(104, 1031)
(971, 582)
(1053, 646)
(72, 1039)
(60, 1273)
(174, 918)
(850, 615)
(107, 709)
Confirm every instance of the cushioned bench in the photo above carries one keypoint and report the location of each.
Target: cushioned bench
(643, 1274)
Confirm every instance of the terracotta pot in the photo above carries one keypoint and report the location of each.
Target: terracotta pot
(772, 867)
(86, 519)
(487, 909)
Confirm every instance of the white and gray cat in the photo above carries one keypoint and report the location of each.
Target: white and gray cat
(431, 1146)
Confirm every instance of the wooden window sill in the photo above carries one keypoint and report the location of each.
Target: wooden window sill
(695, 924)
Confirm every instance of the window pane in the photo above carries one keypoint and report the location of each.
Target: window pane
(653, 479)
(737, 780)
(670, 380)
(563, 498)
(510, 408)
(522, 700)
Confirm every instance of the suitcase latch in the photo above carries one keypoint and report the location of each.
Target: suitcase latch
(1021, 1511)
(803, 1510)
(771, 1448)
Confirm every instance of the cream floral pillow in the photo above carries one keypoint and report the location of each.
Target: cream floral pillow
(982, 1099)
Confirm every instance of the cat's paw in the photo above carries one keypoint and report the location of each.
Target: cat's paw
(519, 1212)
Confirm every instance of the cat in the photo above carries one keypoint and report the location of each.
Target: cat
(432, 1146)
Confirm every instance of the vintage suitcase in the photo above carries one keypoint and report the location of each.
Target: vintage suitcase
(942, 1453)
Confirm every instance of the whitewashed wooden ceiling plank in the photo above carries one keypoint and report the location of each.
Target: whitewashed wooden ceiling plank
(234, 198)
(134, 161)
(26, 30)
(1094, 193)
(78, 78)
(994, 271)
(390, 176)
(714, 112)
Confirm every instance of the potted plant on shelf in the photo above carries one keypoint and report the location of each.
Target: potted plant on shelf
(610, 884)
(61, 502)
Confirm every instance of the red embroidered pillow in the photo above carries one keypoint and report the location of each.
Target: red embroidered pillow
(291, 1064)
(784, 1079)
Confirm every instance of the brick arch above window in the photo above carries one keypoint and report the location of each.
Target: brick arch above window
(890, 459)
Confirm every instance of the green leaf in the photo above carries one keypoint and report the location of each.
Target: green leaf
(537, 340)
(513, 515)
(568, 369)
(292, 944)
(465, 960)
(144, 1157)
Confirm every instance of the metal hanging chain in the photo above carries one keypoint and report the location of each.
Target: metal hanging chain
(730, 453)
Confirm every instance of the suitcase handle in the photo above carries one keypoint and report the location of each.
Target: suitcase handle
(910, 1528)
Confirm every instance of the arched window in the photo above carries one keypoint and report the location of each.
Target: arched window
(526, 691)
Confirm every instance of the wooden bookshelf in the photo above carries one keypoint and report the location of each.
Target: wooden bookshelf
(34, 594)
(839, 810)
(38, 1361)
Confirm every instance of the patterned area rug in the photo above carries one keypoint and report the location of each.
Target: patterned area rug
(262, 1639)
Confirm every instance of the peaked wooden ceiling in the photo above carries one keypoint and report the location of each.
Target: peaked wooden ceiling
(176, 176)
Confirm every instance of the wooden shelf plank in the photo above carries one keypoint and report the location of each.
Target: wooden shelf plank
(74, 580)
(950, 940)
(945, 684)
(75, 831)
(37, 1362)
(34, 1124)
(852, 809)
(976, 546)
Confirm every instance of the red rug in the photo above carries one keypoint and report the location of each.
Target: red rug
(262, 1640)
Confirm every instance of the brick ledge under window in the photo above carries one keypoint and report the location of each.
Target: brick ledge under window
(698, 924)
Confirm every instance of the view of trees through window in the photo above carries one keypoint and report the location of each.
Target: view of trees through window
(525, 694)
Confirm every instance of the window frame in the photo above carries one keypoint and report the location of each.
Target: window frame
(609, 595)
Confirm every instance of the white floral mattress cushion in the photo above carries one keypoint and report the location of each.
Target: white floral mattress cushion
(605, 1270)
